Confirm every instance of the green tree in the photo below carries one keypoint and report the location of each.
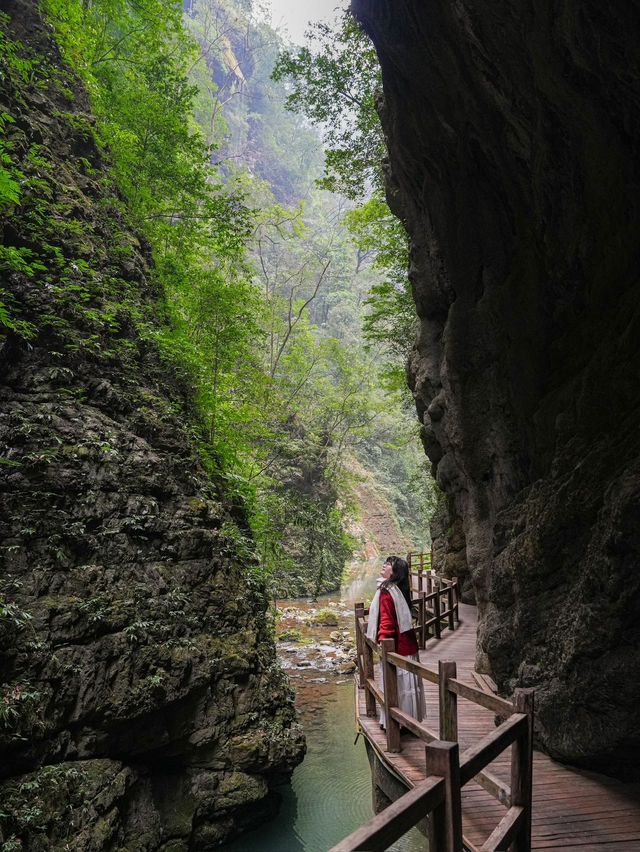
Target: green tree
(335, 87)
(334, 84)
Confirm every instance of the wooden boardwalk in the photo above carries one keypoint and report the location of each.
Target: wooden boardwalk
(572, 809)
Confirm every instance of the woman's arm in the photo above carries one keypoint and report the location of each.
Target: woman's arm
(388, 626)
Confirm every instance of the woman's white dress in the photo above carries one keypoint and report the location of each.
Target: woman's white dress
(410, 686)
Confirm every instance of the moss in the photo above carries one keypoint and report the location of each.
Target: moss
(324, 618)
(59, 603)
(238, 789)
(291, 635)
(198, 506)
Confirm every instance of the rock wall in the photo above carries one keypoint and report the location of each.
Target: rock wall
(141, 706)
(513, 135)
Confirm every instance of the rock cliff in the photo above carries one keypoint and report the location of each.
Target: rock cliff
(513, 135)
(142, 706)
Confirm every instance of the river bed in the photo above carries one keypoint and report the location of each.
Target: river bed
(330, 793)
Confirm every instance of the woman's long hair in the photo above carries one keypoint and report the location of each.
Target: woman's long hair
(399, 576)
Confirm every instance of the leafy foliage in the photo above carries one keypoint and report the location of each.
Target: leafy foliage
(334, 83)
(335, 88)
(236, 281)
(259, 284)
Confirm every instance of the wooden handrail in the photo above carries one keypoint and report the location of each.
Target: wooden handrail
(414, 667)
(498, 705)
(504, 833)
(446, 774)
(413, 725)
(387, 827)
(474, 759)
(375, 689)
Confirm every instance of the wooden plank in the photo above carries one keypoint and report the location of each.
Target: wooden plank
(450, 608)
(484, 682)
(412, 666)
(359, 616)
(489, 702)
(436, 612)
(448, 701)
(372, 686)
(368, 672)
(491, 683)
(417, 728)
(494, 785)
(502, 836)
(482, 753)
(387, 827)
(370, 642)
(390, 695)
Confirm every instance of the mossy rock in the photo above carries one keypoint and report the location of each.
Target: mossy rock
(324, 618)
(291, 635)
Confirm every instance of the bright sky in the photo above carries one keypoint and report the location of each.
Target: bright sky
(294, 15)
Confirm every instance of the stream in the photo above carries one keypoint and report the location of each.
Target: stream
(330, 793)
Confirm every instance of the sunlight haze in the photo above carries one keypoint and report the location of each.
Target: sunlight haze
(294, 16)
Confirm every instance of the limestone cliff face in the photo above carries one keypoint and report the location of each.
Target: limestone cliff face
(142, 706)
(513, 134)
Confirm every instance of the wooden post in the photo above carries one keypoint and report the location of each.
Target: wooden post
(448, 702)
(421, 607)
(452, 625)
(445, 828)
(436, 608)
(522, 769)
(422, 616)
(421, 560)
(456, 586)
(429, 583)
(367, 655)
(359, 613)
(390, 679)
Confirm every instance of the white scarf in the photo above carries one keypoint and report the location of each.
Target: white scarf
(403, 613)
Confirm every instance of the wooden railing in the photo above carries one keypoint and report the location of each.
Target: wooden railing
(436, 600)
(447, 771)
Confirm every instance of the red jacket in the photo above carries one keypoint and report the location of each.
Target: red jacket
(388, 627)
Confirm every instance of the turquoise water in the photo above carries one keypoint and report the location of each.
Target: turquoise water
(330, 794)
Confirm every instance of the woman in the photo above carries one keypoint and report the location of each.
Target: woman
(390, 618)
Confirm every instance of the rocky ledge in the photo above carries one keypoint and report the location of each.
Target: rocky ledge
(513, 134)
(142, 706)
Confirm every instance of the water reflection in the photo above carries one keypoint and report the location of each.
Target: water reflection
(330, 793)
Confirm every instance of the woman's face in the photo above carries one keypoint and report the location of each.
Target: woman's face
(387, 570)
